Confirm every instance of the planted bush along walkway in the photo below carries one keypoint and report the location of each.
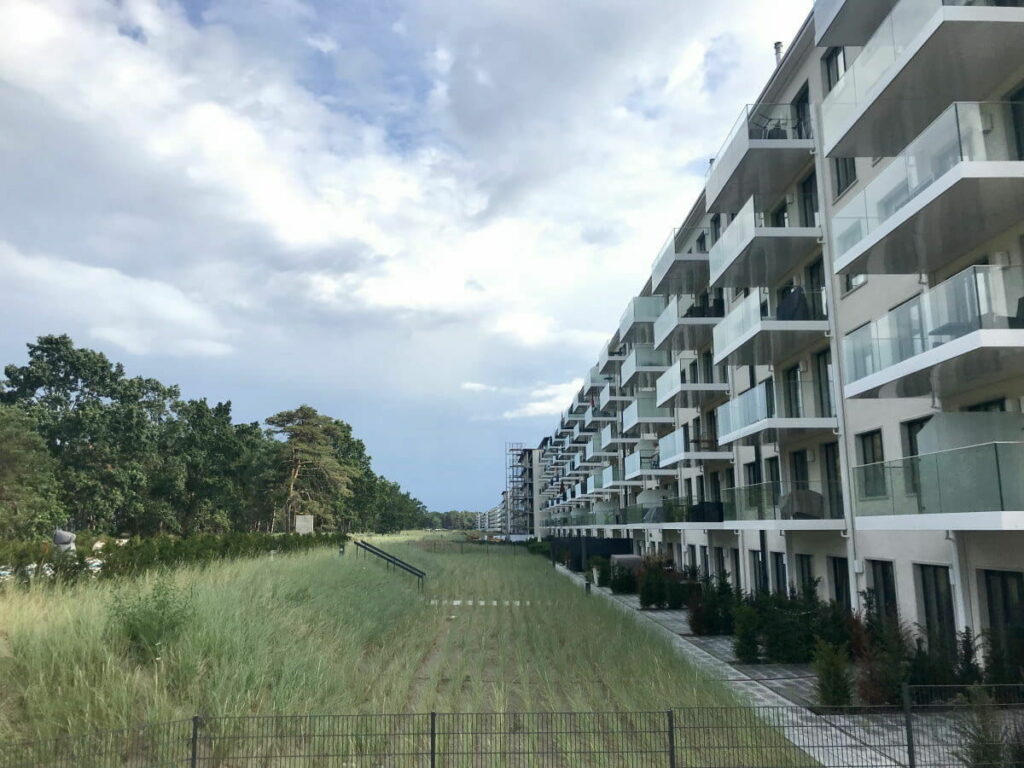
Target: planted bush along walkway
(864, 736)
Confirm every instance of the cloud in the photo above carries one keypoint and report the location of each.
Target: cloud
(548, 400)
(388, 200)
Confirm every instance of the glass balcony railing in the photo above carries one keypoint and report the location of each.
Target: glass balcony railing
(757, 122)
(684, 240)
(642, 309)
(786, 399)
(965, 132)
(672, 444)
(782, 501)
(610, 475)
(669, 383)
(595, 483)
(640, 461)
(643, 410)
(858, 85)
(798, 304)
(641, 358)
(979, 478)
(667, 320)
(981, 297)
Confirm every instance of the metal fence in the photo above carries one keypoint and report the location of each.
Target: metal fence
(930, 735)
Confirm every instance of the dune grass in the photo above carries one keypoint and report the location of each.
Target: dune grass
(319, 633)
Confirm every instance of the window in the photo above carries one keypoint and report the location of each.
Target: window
(809, 201)
(853, 281)
(989, 406)
(834, 65)
(833, 480)
(780, 216)
(840, 581)
(716, 228)
(705, 564)
(791, 392)
(720, 569)
(844, 173)
(823, 382)
(912, 474)
(805, 571)
(691, 555)
(882, 588)
(758, 574)
(800, 472)
(752, 473)
(1004, 593)
(936, 600)
(779, 573)
(802, 113)
(871, 475)
(736, 568)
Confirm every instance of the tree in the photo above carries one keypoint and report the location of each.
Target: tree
(29, 503)
(316, 481)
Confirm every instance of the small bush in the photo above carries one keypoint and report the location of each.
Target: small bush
(652, 586)
(968, 669)
(884, 667)
(147, 622)
(832, 667)
(746, 646)
(980, 735)
(676, 594)
(623, 582)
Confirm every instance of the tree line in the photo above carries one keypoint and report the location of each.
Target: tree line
(84, 445)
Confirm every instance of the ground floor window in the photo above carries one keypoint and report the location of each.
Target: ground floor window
(705, 565)
(936, 600)
(736, 568)
(805, 571)
(1004, 595)
(691, 555)
(840, 581)
(779, 573)
(882, 588)
(720, 569)
(759, 577)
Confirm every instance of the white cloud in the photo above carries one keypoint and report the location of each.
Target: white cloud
(548, 400)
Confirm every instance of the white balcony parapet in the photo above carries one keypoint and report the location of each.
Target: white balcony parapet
(763, 328)
(641, 310)
(682, 263)
(914, 215)
(754, 251)
(677, 447)
(947, 338)
(912, 67)
(767, 145)
(978, 488)
(801, 406)
(644, 360)
(847, 22)
(643, 411)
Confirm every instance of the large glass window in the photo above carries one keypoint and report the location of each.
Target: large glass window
(840, 581)
(1004, 593)
(823, 382)
(882, 587)
(844, 173)
(809, 201)
(936, 598)
(758, 572)
(834, 66)
(872, 475)
(833, 480)
(805, 571)
(800, 470)
(792, 394)
(781, 583)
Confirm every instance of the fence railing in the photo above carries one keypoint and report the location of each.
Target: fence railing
(928, 731)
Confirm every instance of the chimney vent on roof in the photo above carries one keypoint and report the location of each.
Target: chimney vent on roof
(778, 54)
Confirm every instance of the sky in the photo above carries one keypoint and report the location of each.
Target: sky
(420, 216)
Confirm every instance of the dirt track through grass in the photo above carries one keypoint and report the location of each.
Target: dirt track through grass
(319, 633)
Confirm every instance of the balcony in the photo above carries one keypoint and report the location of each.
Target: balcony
(644, 464)
(645, 362)
(675, 387)
(682, 263)
(612, 477)
(847, 22)
(595, 381)
(640, 312)
(688, 322)
(763, 328)
(677, 447)
(783, 505)
(955, 186)
(595, 452)
(595, 483)
(611, 398)
(964, 334)
(924, 55)
(594, 418)
(754, 251)
(611, 438)
(803, 407)
(643, 411)
(766, 148)
(611, 355)
(978, 488)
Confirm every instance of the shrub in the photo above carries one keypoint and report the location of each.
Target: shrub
(147, 622)
(832, 667)
(787, 628)
(931, 664)
(980, 734)
(652, 586)
(623, 582)
(746, 646)
(676, 594)
(968, 670)
(542, 547)
(884, 667)
(711, 608)
(603, 567)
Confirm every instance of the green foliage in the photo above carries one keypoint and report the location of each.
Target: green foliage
(745, 645)
(832, 668)
(623, 581)
(885, 665)
(148, 622)
(980, 732)
(539, 547)
(711, 607)
(604, 569)
(84, 444)
(677, 594)
(652, 586)
(29, 493)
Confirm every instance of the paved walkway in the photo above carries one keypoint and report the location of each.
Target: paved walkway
(833, 741)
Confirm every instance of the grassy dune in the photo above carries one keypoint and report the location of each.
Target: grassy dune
(317, 633)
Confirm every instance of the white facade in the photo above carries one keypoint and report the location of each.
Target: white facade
(822, 377)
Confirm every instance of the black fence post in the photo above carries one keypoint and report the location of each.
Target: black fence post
(197, 723)
(671, 739)
(908, 719)
(433, 739)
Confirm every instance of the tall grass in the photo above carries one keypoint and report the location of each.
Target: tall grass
(316, 632)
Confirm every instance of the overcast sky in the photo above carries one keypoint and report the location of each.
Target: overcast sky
(420, 216)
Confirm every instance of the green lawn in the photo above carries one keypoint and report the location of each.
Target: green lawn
(319, 633)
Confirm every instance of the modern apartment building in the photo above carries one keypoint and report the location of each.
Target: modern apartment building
(821, 380)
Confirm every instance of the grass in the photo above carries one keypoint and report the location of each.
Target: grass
(319, 633)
